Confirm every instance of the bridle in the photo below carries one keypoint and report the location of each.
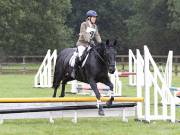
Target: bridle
(106, 62)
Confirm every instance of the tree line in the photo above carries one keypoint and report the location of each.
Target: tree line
(30, 27)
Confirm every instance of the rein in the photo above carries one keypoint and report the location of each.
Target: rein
(101, 58)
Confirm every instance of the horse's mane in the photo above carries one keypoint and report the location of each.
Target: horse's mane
(99, 50)
(100, 47)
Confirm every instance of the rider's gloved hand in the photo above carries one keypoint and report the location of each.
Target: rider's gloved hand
(91, 43)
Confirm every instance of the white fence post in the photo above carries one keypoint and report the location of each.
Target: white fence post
(132, 68)
(168, 69)
(117, 83)
(139, 69)
(168, 74)
(74, 85)
(52, 63)
(146, 85)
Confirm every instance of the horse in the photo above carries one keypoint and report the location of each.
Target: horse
(101, 60)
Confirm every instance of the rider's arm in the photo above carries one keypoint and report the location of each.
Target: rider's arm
(83, 32)
(97, 36)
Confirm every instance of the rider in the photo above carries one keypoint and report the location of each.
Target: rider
(88, 31)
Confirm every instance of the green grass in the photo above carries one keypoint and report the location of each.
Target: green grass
(21, 66)
(22, 86)
(88, 126)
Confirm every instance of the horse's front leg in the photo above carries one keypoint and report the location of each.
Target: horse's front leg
(111, 92)
(98, 96)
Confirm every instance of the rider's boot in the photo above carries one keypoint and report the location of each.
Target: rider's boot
(78, 62)
(84, 55)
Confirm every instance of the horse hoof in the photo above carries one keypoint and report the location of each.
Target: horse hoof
(101, 112)
(109, 103)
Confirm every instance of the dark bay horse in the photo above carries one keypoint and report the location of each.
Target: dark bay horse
(100, 61)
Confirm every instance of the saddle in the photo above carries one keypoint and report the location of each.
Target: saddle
(83, 57)
(77, 66)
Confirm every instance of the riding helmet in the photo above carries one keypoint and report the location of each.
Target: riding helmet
(91, 13)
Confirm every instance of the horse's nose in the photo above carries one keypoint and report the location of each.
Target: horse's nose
(111, 70)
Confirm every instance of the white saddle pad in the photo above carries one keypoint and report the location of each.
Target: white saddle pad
(73, 58)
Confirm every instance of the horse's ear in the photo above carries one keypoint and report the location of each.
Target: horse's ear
(107, 42)
(103, 45)
(115, 42)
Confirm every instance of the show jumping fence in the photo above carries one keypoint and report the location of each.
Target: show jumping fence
(64, 107)
(144, 67)
(154, 79)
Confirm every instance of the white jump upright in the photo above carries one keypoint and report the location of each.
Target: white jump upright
(43, 78)
(159, 91)
(132, 68)
(117, 83)
(168, 73)
(139, 81)
(168, 69)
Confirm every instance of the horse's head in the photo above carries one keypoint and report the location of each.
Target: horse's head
(110, 52)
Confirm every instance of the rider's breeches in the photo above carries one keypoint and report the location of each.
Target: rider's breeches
(81, 50)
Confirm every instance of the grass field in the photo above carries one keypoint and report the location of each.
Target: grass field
(22, 86)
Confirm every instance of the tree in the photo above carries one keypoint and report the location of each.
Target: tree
(149, 25)
(174, 8)
(174, 24)
(32, 27)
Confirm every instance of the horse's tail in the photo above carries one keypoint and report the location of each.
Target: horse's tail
(61, 63)
(57, 74)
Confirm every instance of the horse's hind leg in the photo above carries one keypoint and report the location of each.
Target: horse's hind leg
(55, 86)
(64, 85)
(63, 90)
(56, 81)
